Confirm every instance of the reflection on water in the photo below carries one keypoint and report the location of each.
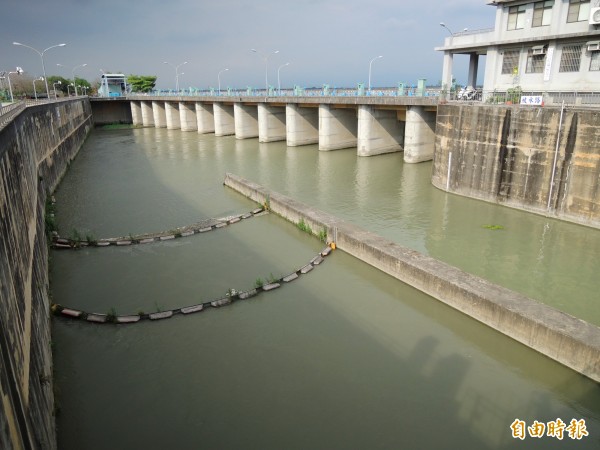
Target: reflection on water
(345, 357)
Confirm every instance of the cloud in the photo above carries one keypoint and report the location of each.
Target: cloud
(327, 41)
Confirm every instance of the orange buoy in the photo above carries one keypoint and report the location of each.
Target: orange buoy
(332, 245)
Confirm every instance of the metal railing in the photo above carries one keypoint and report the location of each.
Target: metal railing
(9, 112)
(526, 98)
(411, 91)
(470, 32)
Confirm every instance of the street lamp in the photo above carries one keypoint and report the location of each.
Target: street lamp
(34, 91)
(278, 82)
(73, 72)
(18, 71)
(54, 87)
(42, 57)
(219, 78)
(370, 64)
(176, 73)
(442, 24)
(266, 58)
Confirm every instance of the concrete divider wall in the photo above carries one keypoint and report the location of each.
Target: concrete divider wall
(147, 114)
(338, 128)
(564, 338)
(302, 125)
(35, 149)
(509, 155)
(136, 113)
(419, 143)
(205, 118)
(271, 123)
(172, 115)
(224, 119)
(245, 120)
(379, 131)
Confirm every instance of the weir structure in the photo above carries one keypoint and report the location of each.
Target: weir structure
(521, 156)
(373, 125)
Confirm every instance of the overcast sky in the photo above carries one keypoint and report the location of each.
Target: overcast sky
(325, 41)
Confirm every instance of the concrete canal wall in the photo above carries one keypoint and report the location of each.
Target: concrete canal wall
(535, 159)
(118, 110)
(564, 338)
(35, 150)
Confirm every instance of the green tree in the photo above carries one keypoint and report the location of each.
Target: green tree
(141, 83)
(62, 87)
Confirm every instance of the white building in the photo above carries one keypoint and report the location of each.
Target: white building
(112, 85)
(541, 46)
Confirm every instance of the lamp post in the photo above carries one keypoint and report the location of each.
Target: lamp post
(42, 57)
(370, 64)
(219, 78)
(54, 87)
(176, 67)
(278, 82)
(442, 24)
(266, 58)
(18, 71)
(74, 80)
(33, 82)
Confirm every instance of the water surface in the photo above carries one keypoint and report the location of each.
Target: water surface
(344, 357)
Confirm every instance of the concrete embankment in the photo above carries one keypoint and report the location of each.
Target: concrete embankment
(542, 160)
(36, 146)
(564, 338)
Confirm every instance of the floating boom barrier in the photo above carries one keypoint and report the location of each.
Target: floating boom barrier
(147, 238)
(231, 297)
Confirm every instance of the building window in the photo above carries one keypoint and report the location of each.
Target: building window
(516, 17)
(579, 10)
(542, 13)
(536, 60)
(595, 62)
(510, 62)
(571, 58)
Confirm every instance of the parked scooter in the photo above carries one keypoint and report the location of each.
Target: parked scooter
(468, 93)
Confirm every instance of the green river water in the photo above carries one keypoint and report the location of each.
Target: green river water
(346, 357)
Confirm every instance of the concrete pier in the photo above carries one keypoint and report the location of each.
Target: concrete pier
(558, 335)
(302, 125)
(224, 122)
(246, 120)
(419, 143)
(160, 115)
(205, 118)
(379, 131)
(271, 123)
(172, 112)
(136, 113)
(147, 114)
(187, 116)
(337, 127)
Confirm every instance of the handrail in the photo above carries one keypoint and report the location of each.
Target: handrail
(9, 112)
